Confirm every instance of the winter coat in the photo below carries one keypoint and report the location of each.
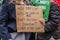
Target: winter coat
(58, 3)
(54, 18)
(7, 19)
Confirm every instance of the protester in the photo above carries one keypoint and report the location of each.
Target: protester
(8, 28)
(51, 26)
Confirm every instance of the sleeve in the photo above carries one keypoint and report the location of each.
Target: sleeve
(54, 18)
(3, 22)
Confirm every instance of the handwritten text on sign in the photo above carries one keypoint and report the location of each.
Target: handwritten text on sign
(27, 18)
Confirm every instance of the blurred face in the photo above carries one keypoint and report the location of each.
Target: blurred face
(20, 1)
(51, 1)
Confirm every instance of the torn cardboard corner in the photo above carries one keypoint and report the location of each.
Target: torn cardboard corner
(27, 19)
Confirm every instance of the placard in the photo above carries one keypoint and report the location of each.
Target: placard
(27, 19)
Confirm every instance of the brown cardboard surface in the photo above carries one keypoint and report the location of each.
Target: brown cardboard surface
(27, 18)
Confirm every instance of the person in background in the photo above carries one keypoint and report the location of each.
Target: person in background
(8, 30)
(51, 27)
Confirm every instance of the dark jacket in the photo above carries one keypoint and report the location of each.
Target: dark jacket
(7, 19)
(54, 18)
(51, 26)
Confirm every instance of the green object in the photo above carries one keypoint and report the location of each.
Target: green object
(1, 2)
(45, 6)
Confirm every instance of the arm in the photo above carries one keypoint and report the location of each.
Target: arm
(54, 19)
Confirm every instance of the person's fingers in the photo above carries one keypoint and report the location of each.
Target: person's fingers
(42, 21)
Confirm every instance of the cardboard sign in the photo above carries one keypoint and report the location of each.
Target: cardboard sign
(27, 19)
(45, 6)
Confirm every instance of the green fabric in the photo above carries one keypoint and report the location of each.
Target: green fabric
(1, 2)
(45, 6)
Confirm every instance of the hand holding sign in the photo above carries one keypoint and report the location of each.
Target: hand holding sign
(42, 21)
